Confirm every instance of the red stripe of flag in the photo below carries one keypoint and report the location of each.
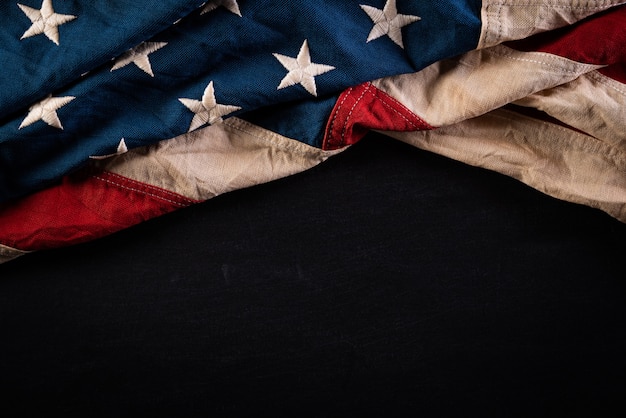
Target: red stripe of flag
(82, 208)
(363, 108)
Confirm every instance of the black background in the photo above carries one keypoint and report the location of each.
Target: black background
(386, 281)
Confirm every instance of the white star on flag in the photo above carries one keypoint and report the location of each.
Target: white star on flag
(44, 21)
(121, 149)
(388, 22)
(301, 70)
(46, 110)
(231, 5)
(207, 111)
(139, 56)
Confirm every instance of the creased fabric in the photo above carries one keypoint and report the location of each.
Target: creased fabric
(133, 110)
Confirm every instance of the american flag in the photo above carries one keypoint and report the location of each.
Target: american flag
(113, 113)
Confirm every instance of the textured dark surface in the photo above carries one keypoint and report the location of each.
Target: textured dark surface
(385, 280)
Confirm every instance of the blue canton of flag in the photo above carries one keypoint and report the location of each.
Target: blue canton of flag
(84, 81)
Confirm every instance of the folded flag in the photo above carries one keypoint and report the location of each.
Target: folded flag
(112, 114)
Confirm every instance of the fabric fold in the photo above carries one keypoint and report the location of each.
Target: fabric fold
(230, 95)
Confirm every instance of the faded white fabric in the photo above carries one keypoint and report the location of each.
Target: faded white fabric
(226, 156)
(453, 90)
(463, 97)
(8, 253)
(558, 161)
(593, 103)
(505, 20)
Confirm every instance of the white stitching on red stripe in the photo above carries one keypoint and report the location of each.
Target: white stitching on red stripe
(346, 94)
(398, 103)
(345, 125)
(393, 109)
(182, 205)
(149, 186)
